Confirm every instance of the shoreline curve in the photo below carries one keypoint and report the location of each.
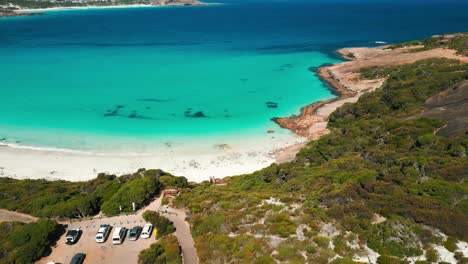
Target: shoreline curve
(343, 79)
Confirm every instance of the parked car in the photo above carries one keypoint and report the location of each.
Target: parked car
(146, 233)
(102, 233)
(134, 233)
(119, 235)
(78, 258)
(72, 236)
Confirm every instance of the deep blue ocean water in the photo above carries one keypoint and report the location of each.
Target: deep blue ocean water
(72, 79)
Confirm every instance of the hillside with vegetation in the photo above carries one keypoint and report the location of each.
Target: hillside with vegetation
(458, 42)
(106, 194)
(382, 182)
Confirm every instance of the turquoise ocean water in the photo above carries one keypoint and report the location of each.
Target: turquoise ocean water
(87, 79)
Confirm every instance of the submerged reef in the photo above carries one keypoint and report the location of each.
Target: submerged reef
(198, 114)
(271, 104)
(154, 100)
(133, 114)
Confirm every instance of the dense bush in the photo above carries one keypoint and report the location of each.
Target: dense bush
(139, 191)
(165, 251)
(451, 244)
(390, 260)
(162, 224)
(25, 243)
(405, 44)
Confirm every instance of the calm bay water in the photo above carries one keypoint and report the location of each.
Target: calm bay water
(73, 79)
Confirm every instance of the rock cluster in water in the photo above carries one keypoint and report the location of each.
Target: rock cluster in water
(133, 114)
(198, 114)
(271, 104)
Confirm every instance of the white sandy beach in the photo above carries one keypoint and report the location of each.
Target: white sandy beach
(197, 161)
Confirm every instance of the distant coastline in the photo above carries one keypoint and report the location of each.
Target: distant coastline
(65, 8)
(37, 11)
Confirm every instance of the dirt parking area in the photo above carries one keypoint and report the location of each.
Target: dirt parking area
(128, 251)
(106, 252)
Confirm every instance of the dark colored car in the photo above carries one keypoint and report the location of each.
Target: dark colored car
(135, 233)
(78, 258)
(72, 236)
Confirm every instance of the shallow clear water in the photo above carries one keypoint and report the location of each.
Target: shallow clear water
(72, 79)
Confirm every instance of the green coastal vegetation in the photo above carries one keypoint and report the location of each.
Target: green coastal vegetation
(165, 251)
(384, 180)
(106, 193)
(458, 42)
(25, 243)
(160, 223)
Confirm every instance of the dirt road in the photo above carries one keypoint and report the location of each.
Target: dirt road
(183, 234)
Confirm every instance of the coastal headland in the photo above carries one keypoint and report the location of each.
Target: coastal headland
(344, 80)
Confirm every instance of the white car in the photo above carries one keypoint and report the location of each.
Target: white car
(102, 233)
(147, 229)
(72, 236)
(119, 235)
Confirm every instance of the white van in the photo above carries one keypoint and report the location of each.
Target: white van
(146, 233)
(119, 235)
(102, 233)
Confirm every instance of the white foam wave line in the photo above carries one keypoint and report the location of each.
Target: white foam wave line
(69, 151)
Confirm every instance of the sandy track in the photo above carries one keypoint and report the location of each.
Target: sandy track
(10, 216)
(183, 234)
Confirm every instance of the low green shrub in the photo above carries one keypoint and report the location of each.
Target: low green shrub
(162, 224)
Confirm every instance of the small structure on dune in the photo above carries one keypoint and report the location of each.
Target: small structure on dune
(172, 192)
